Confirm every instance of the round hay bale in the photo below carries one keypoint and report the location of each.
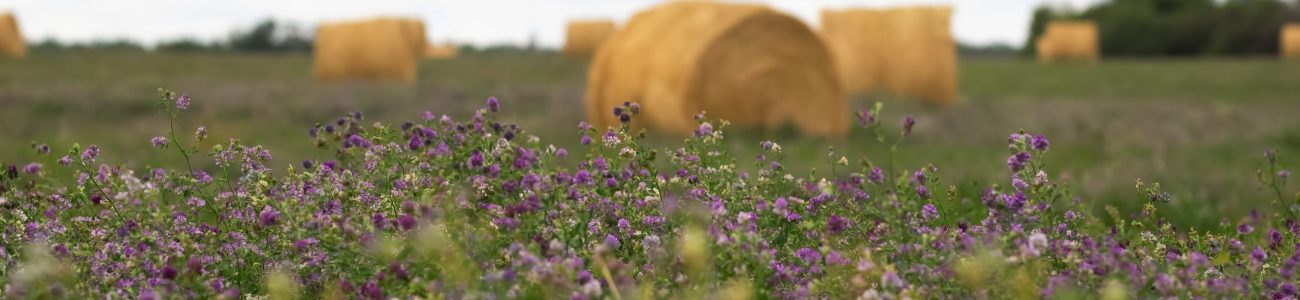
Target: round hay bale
(376, 49)
(857, 39)
(583, 37)
(923, 65)
(747, 64)
(11, 39)
(1290, 41)
(1068, 41)
(443, 51)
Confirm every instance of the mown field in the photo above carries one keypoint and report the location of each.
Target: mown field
(1200, 127)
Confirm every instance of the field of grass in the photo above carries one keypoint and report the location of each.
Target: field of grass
(1200, 127)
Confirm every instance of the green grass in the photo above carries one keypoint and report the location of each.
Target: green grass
(1198, 126)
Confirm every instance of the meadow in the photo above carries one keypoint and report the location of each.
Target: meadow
(1199, 125)
(1139, 179)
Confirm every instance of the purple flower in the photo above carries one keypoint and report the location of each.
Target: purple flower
(611, 241)
(269, 216)
(90, 154)
(704, 129)
(866, 119)
(1040, 143)
(1283, 174)
(1245, 229)
(183, 102)
(32, 168)
(929, 212)
(876, 175)
(1271, 156)
(406, 222)
(415, 142)
(158, 141)
(836, 224)
(1017, 161)
(493, 104)
(586, 140)
(808, 255)
(922, 192)
(1258, 255)
(169, 272)
(908, 122)
(475, 160)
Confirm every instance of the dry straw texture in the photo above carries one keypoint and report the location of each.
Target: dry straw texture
(441, 51)
(383, 49)
(583, 37)
(906, 51)
(747, 64)
(1290, 41)
(11, 39)
(1068, 41)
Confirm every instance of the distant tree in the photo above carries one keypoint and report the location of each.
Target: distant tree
(184, 45)
(1179, 27)
(261, 38)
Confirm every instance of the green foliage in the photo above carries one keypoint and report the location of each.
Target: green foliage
(1179, 27)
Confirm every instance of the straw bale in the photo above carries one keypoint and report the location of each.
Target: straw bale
(747, 64)
(11, 39)
(1068, 41)
(1290, 40)
(384, 49)
(583, 37)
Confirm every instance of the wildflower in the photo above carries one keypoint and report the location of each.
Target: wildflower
(158, 141)
(1040, 143)
(475, 160)
(836, 224)
(269, 216)
(183, 102)
(866, 119)
(908, 122)
(611, 241)
(876, 175)
(201, 133)
(1283, 174)
(89, 155)
(1245, 229)
(586, 140)
(929, 212)
(1258, 255)
(922, 192)
(1018, 184)
(493, 104)
(808, 255)
(1271, 156)
(406, 222)
(32, 168)
(704, 129)
(1016, 162)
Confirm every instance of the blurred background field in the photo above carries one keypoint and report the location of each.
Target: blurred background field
(1199, 126)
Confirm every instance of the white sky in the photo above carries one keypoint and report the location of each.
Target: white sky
(478, 22)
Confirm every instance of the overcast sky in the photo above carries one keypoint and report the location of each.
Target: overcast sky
(478, 22)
